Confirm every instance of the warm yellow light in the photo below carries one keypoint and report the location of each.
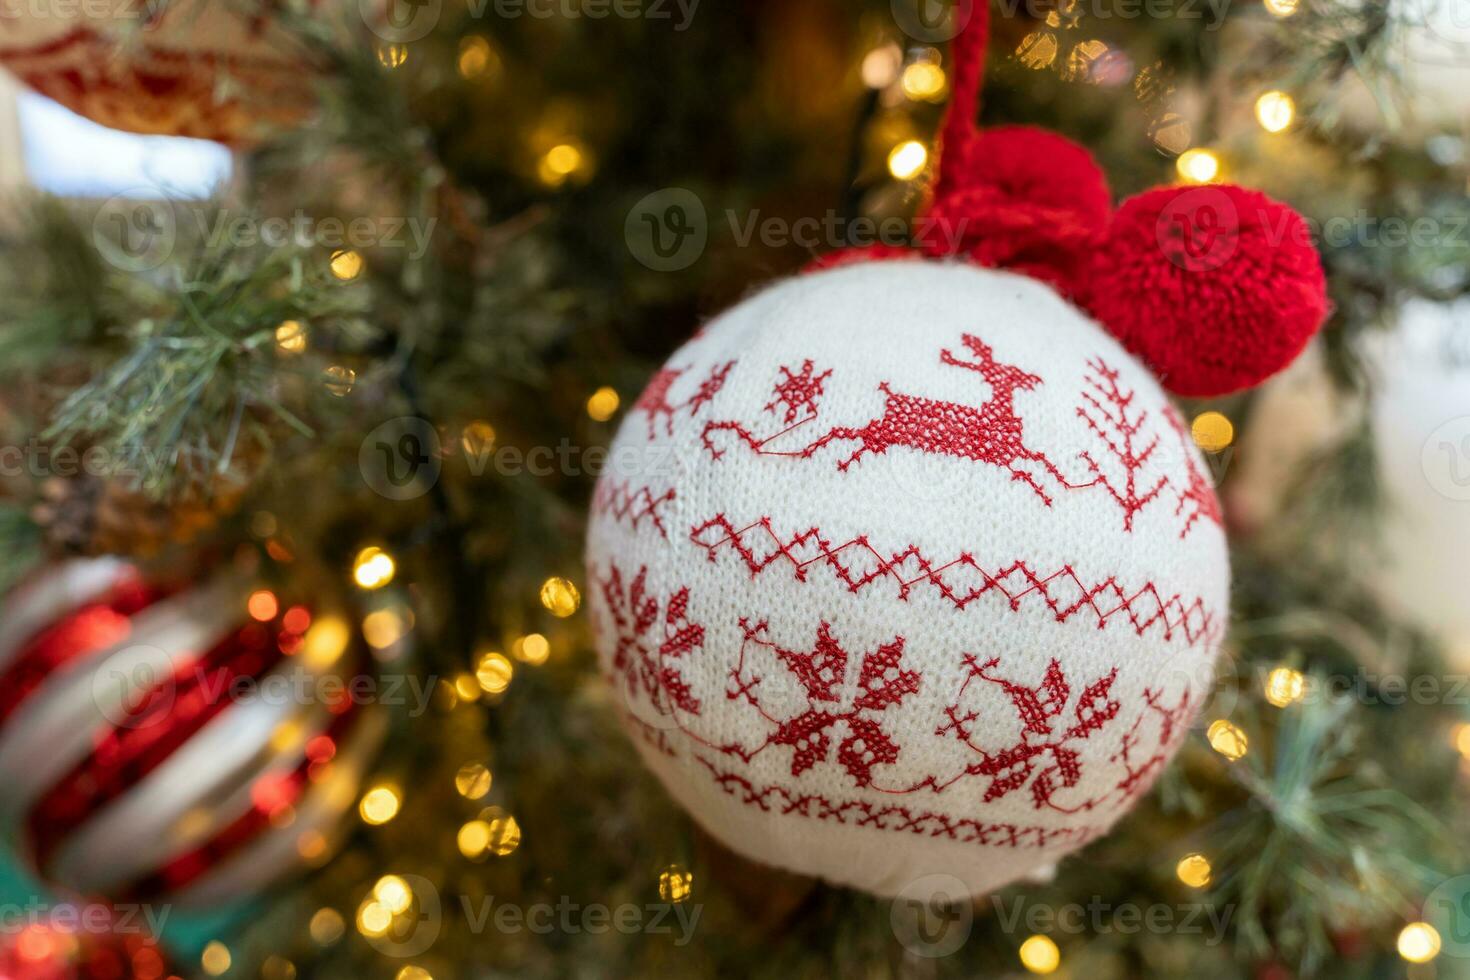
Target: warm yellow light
(216, 959)
(477, 58)
(560, 597)
(505, 835)
(291, 337)
(675, 884)
(1198, 166)
(1284, 686)
(473, 781)
(373, 568)
(325, 642)
(392, 56)
(1462, 739)
(881, 65)
(1212, 431)
(339, 379)
(477, 438)
(907, 159)
(383, 627)
(923, 80)
(473, 839)
(1274, 111)
(559, 163)
(1282, 8)
(1037, 50)
(466, 687)
(602, 404)
(1228, 739)
(532, 649)
(277, 968)
(1040, 955)
(374, 919)
(326, 926)
(346, 264)
(1419, 942)
(494, 672)
(414, 973)
(379, 805)
(1194, 870)
(393, 893)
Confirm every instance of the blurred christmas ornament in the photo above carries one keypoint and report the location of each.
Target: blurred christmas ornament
(1421, 432)
(164, 740)
(212, 69)
(933, 580)
(81, 943)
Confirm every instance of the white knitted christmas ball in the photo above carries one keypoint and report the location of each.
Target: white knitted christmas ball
(904, 569)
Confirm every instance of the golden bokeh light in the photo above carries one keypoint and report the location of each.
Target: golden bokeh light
(1281, 8)
(339, 379)
(881, 66)
(533, 649)
(603, 404)
(1285, 686)
(346, 264)
(505, 834)
(216, 958)
(1198, 166)
(477, 438)
(473, 781)
(1194, 870)
(1228, 739)
(1212, 431)
(1419, 942)
(380, 805)
(477, 59)
(393, 893)
(373, 568)
(291, 337)
(908, 159)
(1275, 111)
(675, 883)
(326, 926)
(494, 672)
(1040, 955)
(924, 80)
(560, 597)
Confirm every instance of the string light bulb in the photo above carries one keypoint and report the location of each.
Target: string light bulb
(373, 568)
(216, 958)
(494, 672)
(1194, 870)
(477, 58)
(1212, 431)
(393, 893)
(602, 404)
(1419, 942)
(339, 379)
(1285, 686)
(1274, 111)
(346, 264)
(881, 66)
(1228, 739)
(473, 781)
(1281, 8)
(1198, 166)
(1040, 955)
(923, 80)
(533, 649)
(291, 337)
(379, 805)
(908, 159)
(1462, 739)
(560, 597)
(675, 883)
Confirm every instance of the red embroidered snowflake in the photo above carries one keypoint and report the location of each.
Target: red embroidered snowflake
(1044, 754)
(640, 655)
(655, 401)
(798, 391)
(1198, 499)
(882, 683)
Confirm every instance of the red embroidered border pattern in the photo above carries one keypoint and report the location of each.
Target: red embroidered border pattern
(960, 580)
(622, 502)
(889, 816)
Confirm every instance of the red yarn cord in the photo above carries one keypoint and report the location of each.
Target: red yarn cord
(967, 73)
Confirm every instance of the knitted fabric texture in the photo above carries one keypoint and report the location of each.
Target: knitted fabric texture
(906, 568)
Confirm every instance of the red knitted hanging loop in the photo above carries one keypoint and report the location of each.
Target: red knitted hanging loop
(1192, 280)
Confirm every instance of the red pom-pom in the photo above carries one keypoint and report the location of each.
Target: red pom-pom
(854, 254)
(1025, 199)
(1216, 288)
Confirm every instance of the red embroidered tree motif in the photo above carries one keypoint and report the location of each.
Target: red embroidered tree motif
(1173, 724)
(882, 682)
(643, 659)
(988, 433)
(655, 401)
(1198, 499)
(1110, 413)
(623, 503)
(798, 391)
(1044, 734)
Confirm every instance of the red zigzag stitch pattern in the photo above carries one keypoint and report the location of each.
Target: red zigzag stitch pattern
(960, 580)
(622, 502)
(888, 816)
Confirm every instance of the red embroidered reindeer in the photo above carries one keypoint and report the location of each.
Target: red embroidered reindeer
(988, 433)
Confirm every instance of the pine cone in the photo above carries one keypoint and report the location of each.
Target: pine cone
(92, 515)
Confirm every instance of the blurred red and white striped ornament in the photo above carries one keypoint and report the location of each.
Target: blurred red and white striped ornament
(211, 69)
(193, 743)
(83, 943)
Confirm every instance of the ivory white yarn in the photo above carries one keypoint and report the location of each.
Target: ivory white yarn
(920, 574)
